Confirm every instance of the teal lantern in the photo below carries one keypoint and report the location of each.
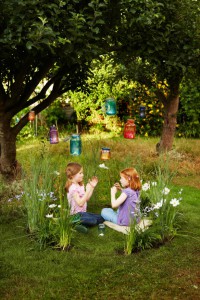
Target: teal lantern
(75, 144)
(110, 107)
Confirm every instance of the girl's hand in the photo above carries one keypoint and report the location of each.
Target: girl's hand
(88, 187)
(113, 190)
(118, 186)
(93, 182)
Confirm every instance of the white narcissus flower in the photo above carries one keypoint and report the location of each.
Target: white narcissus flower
(49, 216)
(103, 166)
(52, 205)
(174, 202)
(158, 205)
(165, 191)
(145, 186)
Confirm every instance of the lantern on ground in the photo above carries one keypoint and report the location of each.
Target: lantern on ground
(142, 111)
(110, 107)
(53, 134)
(129, 129)
(31, 115)
(105, 153)
(75, 144)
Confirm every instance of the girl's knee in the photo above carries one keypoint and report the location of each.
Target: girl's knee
(104, 211)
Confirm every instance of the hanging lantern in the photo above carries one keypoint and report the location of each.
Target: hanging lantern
(75, 144)
(53, 134)
(105, 153)
(110, 107)
(142, 111)
(129, 129)
(31, 115)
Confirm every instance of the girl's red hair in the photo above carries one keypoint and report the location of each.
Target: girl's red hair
(132, 176)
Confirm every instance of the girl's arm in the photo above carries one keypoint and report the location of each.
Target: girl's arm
(117, 202)
(88, 192)
(81, 200)
(91, 185)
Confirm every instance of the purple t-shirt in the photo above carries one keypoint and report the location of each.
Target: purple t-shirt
(127, 209)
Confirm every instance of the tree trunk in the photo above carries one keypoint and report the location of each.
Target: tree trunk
(8, 164)
(170, 121)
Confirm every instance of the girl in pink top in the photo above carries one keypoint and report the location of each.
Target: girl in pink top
(78, 195)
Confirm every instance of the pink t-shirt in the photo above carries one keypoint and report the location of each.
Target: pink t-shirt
(74, 207)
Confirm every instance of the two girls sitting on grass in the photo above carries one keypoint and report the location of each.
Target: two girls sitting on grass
(127, 204)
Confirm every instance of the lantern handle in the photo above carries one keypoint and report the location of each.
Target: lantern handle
(67, 139)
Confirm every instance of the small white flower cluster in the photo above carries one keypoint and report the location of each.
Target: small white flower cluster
(174, 202)
(44, 195)
(146, 186)
(16, 197)
(52, 206)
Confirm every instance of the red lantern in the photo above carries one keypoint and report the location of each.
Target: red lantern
(31, 115)
(129, 129)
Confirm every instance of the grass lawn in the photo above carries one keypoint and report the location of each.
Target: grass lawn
(96, 267)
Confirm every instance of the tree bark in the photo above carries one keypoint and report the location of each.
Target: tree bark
(8, 164)
(170, 120)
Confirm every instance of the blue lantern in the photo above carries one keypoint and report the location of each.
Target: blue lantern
(142, 111)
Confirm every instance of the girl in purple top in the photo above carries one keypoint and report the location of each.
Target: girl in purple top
(128, 201)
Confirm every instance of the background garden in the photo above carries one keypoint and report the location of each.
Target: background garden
(33, 266)
(60, 62)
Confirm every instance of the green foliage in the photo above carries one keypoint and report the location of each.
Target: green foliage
(106, 81)
(47, 210)
(189, 115)
(55, 114)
